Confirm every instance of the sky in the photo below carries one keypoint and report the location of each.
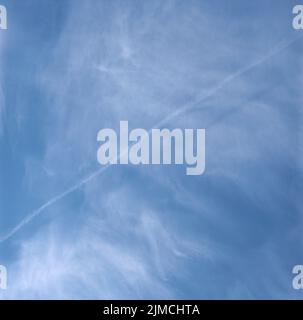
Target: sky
(72, 229)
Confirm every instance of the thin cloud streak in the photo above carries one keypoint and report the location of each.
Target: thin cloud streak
(279, 48)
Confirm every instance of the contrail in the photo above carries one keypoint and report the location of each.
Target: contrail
(200, 98)
(50, 202)
(190, 106)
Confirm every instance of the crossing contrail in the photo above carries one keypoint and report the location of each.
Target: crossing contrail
(186, 108)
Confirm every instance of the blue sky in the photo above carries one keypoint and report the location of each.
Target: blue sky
(70, 68)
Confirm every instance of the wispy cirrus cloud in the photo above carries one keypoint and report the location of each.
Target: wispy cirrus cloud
(174, 237)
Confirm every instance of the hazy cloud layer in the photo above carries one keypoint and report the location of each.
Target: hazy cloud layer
(151, 231)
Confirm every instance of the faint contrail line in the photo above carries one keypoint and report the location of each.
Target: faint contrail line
(200, 98)
(190, 106)
(50, 202)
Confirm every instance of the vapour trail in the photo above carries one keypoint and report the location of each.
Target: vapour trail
(187, 107)
(201, 98)
(50, 202)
